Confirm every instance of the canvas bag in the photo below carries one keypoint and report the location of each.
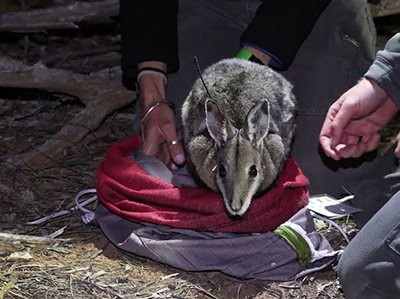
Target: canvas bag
(261, 254)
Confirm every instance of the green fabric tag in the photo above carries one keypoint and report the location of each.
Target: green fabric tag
(297, 242)
(243, 54)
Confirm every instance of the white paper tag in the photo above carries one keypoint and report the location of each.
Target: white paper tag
(330, 207)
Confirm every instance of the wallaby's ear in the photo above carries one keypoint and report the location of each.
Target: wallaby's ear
(257, 125)
(218, 125)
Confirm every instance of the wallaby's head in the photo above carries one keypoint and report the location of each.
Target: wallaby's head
(238, 173)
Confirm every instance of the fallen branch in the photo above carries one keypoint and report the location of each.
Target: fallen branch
(65, 17)
(90, 64)
(51, 60)
(101, 93)
(9, 238)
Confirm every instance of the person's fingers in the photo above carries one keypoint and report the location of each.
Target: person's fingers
(397, 149)
(360, 150)
(366, 138)
(362, 127)
(373, 122)
(174, 144)
(325, 143)
(153, 132)
(350, 139)
(151, 143)
(357, 150)
(346, 151)
(164, 155)
(339, 122)
(373, 143)
(325, 134)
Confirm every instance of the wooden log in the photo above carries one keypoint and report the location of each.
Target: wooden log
(386, 8)
(101, 93)
(51, 60)
(64, 17)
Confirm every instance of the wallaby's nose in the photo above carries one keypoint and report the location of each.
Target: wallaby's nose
(236, 205)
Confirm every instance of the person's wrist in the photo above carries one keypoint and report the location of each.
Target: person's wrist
(153, 64)
(157, 68)
(377, 90)
(152, 85)
(152, 89)
(263, 57)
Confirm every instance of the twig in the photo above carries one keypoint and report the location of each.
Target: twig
(205, 292)
(7, 287)
(17, 295)
(105, 290)
(238, 291)
(6, 237)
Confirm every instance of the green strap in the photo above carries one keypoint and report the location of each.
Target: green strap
(243, 54)
(297, 242)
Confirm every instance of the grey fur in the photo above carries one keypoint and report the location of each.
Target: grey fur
(250, 120)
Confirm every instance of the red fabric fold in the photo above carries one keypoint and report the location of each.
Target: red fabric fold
(128, 191)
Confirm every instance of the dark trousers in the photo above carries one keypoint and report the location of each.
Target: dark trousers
(370, 266)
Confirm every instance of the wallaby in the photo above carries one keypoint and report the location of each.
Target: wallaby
(238, 126)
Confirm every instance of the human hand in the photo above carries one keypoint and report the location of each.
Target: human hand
(397, 149)
(160, 137)
(353, 123)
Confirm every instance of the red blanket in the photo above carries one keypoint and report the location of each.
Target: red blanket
(126, 190)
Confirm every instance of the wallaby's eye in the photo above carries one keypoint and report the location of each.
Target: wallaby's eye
(221, 171)
(253, 171)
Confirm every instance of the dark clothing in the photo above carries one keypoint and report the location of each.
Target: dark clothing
(370, 266)
(386, 69)
(374, 254)
(149, 32)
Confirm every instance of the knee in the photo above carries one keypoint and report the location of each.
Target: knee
(348, 269)
(361, 278)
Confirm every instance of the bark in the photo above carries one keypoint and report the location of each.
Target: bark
(386, 8)
(101, 93)
(66, 17)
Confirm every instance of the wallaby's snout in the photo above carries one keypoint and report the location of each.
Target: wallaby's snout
(239, 173)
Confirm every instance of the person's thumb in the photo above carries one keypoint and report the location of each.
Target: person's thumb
(397, 149)
(179, 156)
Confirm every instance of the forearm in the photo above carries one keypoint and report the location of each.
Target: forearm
(152, 86)
(386, 69)
(280, 27)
